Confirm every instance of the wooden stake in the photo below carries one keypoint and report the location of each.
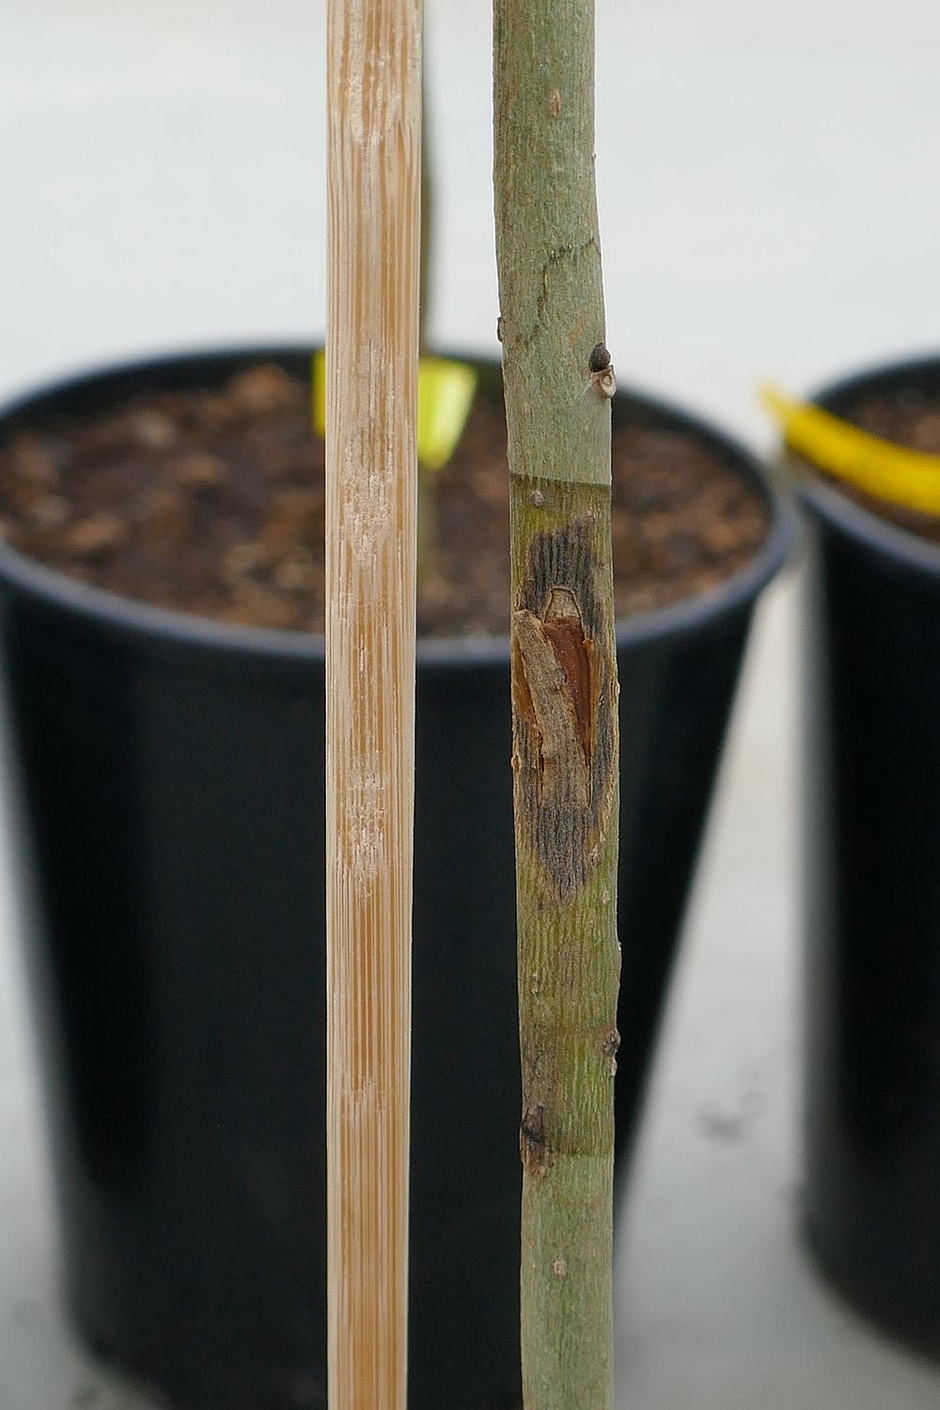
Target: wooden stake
(374, 107)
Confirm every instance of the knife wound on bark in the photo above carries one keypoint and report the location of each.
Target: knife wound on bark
(558, 668)
(564, 697)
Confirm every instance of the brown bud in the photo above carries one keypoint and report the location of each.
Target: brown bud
(599, 360)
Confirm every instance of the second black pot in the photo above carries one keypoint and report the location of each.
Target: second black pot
(872, 904)
(169, 773)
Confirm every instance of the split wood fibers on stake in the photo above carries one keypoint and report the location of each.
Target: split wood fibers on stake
(374, 105)
(558, 383)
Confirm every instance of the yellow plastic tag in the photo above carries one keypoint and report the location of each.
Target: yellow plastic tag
(445, 396)
(891, 472)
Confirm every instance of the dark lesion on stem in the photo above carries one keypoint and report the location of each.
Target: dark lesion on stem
(532, 1144)
(564, 697)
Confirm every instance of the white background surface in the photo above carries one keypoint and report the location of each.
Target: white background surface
(769, 206)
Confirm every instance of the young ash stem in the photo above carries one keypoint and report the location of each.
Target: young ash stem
(558, 382)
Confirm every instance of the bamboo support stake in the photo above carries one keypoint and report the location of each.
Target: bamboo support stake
(374, 106)
(558, 384)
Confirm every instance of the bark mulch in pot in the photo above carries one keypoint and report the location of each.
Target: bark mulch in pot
(211, 502)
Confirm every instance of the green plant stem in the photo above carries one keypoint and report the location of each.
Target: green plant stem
(564, 689)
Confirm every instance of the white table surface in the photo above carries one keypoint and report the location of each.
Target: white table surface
(769, 206)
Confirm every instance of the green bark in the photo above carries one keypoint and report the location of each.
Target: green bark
(565, 745)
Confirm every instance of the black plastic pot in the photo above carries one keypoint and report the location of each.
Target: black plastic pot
(171, 771)
(872, 899)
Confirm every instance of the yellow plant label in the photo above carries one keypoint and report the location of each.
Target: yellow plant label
(445, 395)
(890, 472)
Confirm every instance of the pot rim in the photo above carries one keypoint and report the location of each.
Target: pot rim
(126, 617)
(884, 539)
